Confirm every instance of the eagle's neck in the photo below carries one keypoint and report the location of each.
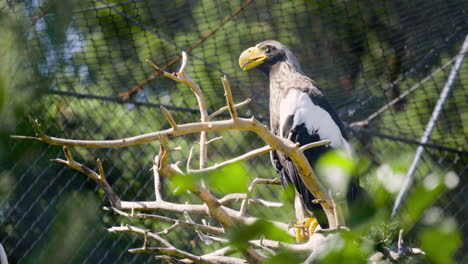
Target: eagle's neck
(282, 75)
(284, 72)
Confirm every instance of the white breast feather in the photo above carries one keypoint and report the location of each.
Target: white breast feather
(315, 118)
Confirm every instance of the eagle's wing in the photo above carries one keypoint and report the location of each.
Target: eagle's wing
(305, 116)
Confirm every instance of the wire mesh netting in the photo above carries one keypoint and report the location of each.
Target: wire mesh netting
(83, 54)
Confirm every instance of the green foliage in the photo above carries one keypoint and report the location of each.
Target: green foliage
(335, 169)
(285, 256)
(377, 230)
(346, 247)
(240, 236)
(232, 178)
(421, 198)
(182, 183)
(440, 242)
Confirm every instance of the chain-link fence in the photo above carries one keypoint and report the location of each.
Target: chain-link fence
(83, 54)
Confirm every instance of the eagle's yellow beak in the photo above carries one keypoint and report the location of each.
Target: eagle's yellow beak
(252, 57)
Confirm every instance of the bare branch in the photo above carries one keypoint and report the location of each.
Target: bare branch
(189, 160)
(224, 108)
(195, 209)
(160, 71)
(213, 140)
(170, 259)
(172, 252)
(308, 247)
(205, 228)
(205, 238)
(183, 66)
(212, 207)
(228, 95)
(169, 229)
(98, 178)
(243, 196)
(156, 179)
(26, 137)
(137, 230)
(169, 118)
(101, 170)
(246, 156)
(400, 240)
(182, 77)
(232, 197)
(243, 209)
(315, 144)
(278, 143)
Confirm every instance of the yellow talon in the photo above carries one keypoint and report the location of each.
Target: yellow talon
(305, 228)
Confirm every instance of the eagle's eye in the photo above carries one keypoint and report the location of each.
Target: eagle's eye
(267, 48)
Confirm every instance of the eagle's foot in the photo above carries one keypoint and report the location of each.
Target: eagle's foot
(305, 228)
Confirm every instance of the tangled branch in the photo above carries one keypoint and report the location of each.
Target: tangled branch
(212, 206)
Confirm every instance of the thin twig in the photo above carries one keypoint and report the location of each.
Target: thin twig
(224, 108)
(137, 230)
(228, 95)
(169, 229)
(205, 228)
(97, 178)
(243, 196)
(246, 156)
(182, 77)
(173, 252)
(169, 118)
(243, 209)
(315, 144)
(102, 176)
(183, 65)
(213, 140)
(189, 160)
(156, 179)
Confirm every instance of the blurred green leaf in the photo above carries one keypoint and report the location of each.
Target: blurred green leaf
(240, 236)
(420, 199)
(338, 158)
(346, 247)
(181, 183)
(440, 244)
(285, 256)
(335, 169)
(230, 179)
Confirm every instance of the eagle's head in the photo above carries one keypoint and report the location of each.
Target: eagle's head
(266, 55)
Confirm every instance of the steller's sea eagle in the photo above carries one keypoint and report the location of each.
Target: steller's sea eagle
(299, 111)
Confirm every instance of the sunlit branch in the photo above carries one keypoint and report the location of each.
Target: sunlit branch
(243, 209)
(225, 108)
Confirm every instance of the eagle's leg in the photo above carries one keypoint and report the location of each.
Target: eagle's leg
(305, 226)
